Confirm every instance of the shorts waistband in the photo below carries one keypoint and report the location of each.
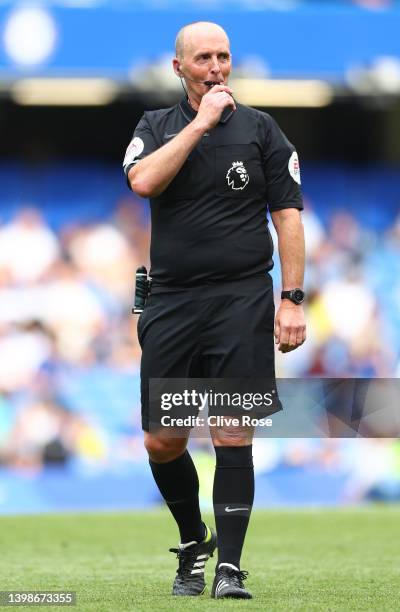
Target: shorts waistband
(204, 286)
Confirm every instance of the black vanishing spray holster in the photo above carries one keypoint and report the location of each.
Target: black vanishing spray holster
(142, 289)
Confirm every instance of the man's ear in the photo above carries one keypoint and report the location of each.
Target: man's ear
(177, 67)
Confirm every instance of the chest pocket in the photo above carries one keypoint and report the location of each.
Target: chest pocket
(239, 172)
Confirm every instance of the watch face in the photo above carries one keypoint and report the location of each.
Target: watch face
(298, 295)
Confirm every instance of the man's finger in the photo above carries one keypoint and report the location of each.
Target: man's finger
(300, 336)
(284, 335)
(218, 88)
(292, 337)
(286, 348)
(227, 98)
(277, 331)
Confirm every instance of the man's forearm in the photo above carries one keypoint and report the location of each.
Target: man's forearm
(152, 175)
(290, 232)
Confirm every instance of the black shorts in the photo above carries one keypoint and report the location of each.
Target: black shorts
(220, 330)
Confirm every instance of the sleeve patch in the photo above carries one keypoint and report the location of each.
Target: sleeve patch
(133, 151)
(294, 167)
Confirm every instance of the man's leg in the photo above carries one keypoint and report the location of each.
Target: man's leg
(176, 477)
(239, 344)
(233, 496)
(167, 333)
(177, 480)
(233, 492)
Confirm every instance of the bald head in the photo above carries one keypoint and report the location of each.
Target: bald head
(196, 34)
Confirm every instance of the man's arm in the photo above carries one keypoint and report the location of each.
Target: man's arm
(151, 176)
(290, 328)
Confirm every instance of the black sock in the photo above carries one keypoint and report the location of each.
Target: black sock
(179, 485)
(233, 496)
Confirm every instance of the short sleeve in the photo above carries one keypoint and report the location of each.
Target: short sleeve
(282, 171)
(142, 144)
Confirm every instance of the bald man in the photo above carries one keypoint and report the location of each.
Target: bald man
(211, 167)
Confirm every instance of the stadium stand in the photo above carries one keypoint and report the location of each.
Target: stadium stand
(69, 357)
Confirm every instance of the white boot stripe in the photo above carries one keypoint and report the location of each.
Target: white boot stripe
(197, 571)
(199, 564)
(220, 586)
(201, 557)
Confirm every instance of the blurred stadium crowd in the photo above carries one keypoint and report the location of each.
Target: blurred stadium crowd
(69, 356)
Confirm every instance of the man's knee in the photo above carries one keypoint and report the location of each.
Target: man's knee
(163, 449)
(232, 436)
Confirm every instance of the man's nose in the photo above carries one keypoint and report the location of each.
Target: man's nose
(215, 68)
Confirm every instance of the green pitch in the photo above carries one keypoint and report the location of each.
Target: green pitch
(298, 560)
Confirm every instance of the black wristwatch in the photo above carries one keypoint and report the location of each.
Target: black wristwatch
(294, 295)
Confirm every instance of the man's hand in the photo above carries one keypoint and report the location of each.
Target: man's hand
(290, 326)
(212, 106)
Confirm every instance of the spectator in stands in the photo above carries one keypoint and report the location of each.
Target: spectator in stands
(27, 247)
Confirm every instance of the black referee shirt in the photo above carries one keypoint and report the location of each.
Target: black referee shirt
(210, 224)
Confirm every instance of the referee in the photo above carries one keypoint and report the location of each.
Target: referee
(211, 168)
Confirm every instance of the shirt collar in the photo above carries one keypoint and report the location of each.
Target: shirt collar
(189, 112)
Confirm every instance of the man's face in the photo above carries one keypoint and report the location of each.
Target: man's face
(206, 57)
